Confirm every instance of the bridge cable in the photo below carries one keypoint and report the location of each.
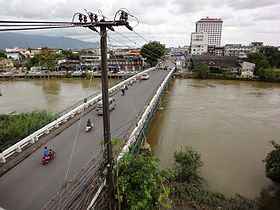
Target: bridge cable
(75, 140)
(155, 55)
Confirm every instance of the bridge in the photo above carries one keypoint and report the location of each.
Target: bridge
(29, 185)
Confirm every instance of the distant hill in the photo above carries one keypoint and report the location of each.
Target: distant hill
(11, 40)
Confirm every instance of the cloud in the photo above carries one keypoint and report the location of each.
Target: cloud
(250, 4)
(168, 21)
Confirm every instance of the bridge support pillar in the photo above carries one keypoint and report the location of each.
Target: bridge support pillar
(72, 115)
(47, 131)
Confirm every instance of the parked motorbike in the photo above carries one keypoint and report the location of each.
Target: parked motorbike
(45, 160)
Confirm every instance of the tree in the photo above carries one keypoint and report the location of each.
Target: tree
(68, 54)
(152, 52)
(32, 62)
(272, 55)
(259, 59)
(264, 74)
(187, 163)
(141, 184)
(3, 54)
(47, 57)
(272, 163)
(202, 70)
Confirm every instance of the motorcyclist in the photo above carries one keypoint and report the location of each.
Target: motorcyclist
(89, 123)
(46, 152)
(123, 89)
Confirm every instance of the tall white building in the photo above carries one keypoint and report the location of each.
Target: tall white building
(213, 27)
(199, 43)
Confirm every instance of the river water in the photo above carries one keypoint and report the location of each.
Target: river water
(228, 122)
(53, 94)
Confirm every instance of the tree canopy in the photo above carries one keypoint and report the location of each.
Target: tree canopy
(259, 59)
(2, 54)
(272, 163)
(202, 70)
(46, 57)
(272, 55)
(141, 183)
(152, 52)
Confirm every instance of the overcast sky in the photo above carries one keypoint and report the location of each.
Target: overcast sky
(169, 22)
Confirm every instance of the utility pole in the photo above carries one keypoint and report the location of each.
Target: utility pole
(106, 114)
(104, 26)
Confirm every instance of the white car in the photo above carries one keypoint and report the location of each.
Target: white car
(99, 106)
(145, 76)
(77, 73)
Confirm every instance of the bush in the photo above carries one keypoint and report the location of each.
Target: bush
(272, 163)
(186, 164)
(141, 184)
(15, 127)
(202, 70)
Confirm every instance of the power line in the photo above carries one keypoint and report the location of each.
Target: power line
(34, 28)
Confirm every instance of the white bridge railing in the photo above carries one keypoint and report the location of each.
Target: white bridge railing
(34, 137)
(136, 131)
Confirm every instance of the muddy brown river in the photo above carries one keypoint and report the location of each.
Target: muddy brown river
(228, 122)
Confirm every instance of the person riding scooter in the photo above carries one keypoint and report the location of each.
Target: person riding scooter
(89, 125)
(123, 89)
(46, 152)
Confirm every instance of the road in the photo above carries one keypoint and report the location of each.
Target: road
(30, 185)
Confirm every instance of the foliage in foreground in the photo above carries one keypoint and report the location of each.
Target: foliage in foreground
(15, 127)
(141, 184)
(186, 165)
(272, 163)
(189, 189)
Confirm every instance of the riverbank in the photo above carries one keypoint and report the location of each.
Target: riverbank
(60, 75)
(188, 75)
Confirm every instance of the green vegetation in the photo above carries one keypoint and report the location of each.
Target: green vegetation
(188, 188)
(141, 184)
(272, 163)
(15, 127)
(202, 70)
(187, 164)
(267, 63)
(69, 55)
(2, 54)
(152, 52)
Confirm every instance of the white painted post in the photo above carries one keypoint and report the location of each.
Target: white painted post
(18, 149)
(2, 158)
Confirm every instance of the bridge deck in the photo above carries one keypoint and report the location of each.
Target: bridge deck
(30, 185)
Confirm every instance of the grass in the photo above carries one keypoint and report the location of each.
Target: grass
(15, 127)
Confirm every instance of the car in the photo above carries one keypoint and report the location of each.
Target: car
(145, 76)
(99, 106)
(77, 73)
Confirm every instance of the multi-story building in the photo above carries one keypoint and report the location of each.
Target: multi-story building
(213, 27)
(90, 61)
(238, 50)
(199, 43)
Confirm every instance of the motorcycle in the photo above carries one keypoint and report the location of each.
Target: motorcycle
(89, 128)
(45, 160)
